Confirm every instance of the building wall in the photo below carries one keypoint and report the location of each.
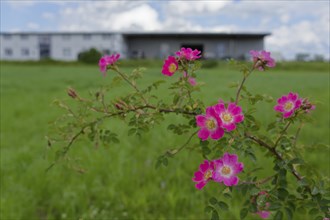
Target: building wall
(159, 47)
(64, 46)
(67, 46)
(22, 47)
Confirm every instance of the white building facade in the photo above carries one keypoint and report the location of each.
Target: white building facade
(66, 46)
(57, 46)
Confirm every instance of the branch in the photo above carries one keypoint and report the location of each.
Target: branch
(239, 89)
(175, 151)
(241, 85)
(131, 84)
(259, 182)
(282, 133)
(81, 131)
(297, 134)
(272, 151)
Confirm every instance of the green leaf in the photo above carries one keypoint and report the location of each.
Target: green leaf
(282, 193)
(313, 211)
(275, 206)
(278, 215)
(213, 200)
(301, 210)
(223, 205)
(227, 195)
(243, 213)
(254, 191)
(158, 163)
(165, 161)
(315, 191)
(253, 207)
(291, 205)
(289, 213)
(208, 209)
(206, 151)
(233, 85)
(303, 182)
(215, 215)
(297, 161)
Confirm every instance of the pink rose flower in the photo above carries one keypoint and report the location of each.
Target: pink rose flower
(229, 116)
(170, 66)
(288, 104)
(107, 60)
(307, 106)
(188, 54)
(204, 174)
(263, 214)
(226, 169)
(210, 125)
(191, 80)
(262, 59)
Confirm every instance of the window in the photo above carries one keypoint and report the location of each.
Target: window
(66, 52)
(66, 37)
(44, 39)
(25, 52)
(106, 36)
(87, 36)
(24, 36)
(8, 52)
(7, 36)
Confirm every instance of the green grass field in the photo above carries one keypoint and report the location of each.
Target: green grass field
(121, 181)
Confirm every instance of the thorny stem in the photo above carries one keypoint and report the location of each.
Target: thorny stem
(131, 84)
(175, 151)
(272, 151)
(239, 89)
(81, 131)
(282, 133)
(297, 134)
(259, 182)
(242, 83)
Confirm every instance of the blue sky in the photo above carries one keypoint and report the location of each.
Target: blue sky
(296, 26)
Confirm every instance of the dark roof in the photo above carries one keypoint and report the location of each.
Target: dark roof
(150, 34)
(195, 34)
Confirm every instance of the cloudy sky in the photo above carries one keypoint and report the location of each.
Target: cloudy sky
(296, 26)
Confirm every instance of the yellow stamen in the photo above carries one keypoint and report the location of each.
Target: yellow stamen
(210, 124)
(288, 106)
(172, 68)
(208, 175)
(225, 170)
(227, 117)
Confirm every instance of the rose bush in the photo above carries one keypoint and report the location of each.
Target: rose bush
(220, 124)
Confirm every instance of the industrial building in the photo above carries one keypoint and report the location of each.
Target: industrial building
(66, 46)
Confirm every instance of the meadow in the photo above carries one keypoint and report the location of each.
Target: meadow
(121, 181)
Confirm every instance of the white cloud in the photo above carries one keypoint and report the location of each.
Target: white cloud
(192, 7)
(22, 3)
(48, 15)
(302, 37)
(33, 26)
(110, 16)
(296, 26)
